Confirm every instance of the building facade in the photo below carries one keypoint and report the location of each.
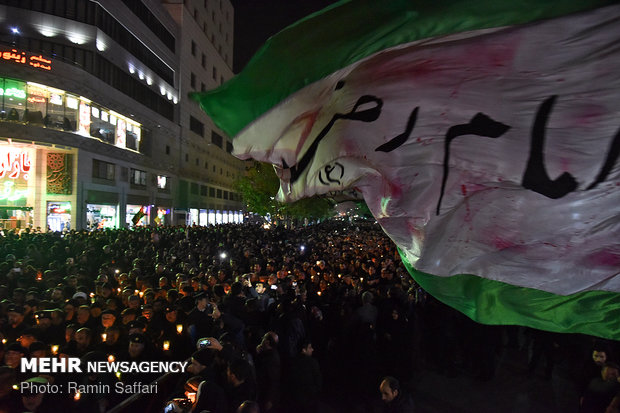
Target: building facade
(96, 130)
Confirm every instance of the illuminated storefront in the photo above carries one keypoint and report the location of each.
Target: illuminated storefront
(204, 220)
(141, 218)
(101, 216)
(17, 177)
(163, 216)
(193, 217)
(59, 216)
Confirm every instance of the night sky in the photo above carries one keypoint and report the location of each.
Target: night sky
(257, 20)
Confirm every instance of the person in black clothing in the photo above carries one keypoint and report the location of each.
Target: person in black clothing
(241, 383)
(591, 368)
(396, 401)
(16, 323)
(603, 392)
(199, 319)
(10, 400)
(305, 380)
(268, 371)
(204, 395)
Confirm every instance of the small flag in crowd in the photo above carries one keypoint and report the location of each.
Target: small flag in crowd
(483, 135)
(138, 216)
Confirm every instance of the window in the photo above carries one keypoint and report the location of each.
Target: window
(216, 139)
(219, 193)
(226, 195)
(194, 48)
(212, 192)
(167, 149)
(186, 157)
(137, 177)
(197, 161)
(162, 182)
(213, 168)
(214, 73)
(196, 126)
(229, 147)
(204, 61)
(221, 171)
(192, 80)
(206, 164)
(193, 188)
(203, 190)
(103, 170)
(203, 88)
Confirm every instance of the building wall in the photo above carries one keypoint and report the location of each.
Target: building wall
(206, 52)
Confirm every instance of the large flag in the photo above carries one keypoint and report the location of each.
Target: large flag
(484, 136)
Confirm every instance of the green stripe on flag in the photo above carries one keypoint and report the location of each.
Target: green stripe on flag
(349, 31)
(596, 313)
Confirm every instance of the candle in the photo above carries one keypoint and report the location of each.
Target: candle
(104, 336)
(111, 358)
(166, 345)
(77, 396)
(54, 349)
(179, 328)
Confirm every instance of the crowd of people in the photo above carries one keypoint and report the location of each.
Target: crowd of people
(268, 320)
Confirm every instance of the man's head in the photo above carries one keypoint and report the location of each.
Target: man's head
(13, 355)
(171, 314)
(112, 333)
(108, 317)
(15, 315)
(201, 301)
(599, 357)
(200, 360)
(137, 342)
(128, 315)
(389, 388)
(28, 337)
(83, 338)
(609, 372)
(44, 319)
(83, 314)
(249, 406)
(307, 349)
(33, 399)
(238, 372)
